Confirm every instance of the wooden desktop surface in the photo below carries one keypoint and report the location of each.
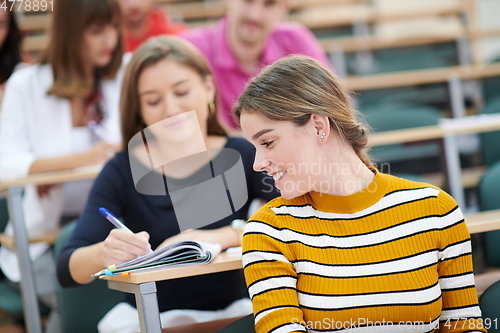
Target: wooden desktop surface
(478, 222)
(483, 221)
(421, 76)
(467, 125)
(223, 262)
(56, 177)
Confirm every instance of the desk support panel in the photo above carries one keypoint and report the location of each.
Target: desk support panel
(28, 286)
(147, 303)
(454, 170)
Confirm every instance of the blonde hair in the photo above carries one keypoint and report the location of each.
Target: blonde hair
(148, 54)
(63, 54)
(294, 88)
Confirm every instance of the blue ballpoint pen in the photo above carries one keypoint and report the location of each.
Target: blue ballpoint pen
(111, 218)
(117, 223)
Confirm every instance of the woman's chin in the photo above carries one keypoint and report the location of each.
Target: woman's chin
(290, 195)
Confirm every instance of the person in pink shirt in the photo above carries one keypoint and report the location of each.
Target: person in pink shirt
(247, 39)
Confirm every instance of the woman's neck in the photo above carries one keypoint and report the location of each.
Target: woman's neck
(344, 176)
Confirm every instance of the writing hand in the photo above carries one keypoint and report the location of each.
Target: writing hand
(101, 152)
(121, 246)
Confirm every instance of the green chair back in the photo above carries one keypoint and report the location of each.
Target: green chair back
(243, 325)
(490, 140)
(4, 214)
(491, 86)
(490, 307)
(402, 118)
(10, 298)
(82, 307)
(488, 200)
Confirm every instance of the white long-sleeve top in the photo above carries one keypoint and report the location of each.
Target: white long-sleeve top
(34, 125)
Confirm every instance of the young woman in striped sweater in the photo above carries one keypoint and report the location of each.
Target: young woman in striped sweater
(345, 247)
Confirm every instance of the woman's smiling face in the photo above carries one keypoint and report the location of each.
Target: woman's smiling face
(284, 150)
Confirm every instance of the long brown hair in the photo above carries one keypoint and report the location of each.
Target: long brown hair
(70, 19)
(148, 54)
(294, 88)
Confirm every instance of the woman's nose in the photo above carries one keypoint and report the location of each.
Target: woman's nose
(261, 163)
(171, 107)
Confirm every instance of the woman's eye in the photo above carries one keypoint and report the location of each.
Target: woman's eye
(96, 30)
(153, 103)
(267, 143)
(182, 93)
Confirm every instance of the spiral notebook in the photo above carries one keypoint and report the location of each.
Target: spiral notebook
(185, 253)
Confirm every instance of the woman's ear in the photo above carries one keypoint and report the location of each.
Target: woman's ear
(320, 123)
(211, 90)
(320, 126)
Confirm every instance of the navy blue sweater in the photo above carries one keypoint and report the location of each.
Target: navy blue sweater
(114, 189)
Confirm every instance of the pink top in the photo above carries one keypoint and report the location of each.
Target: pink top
(287, 38)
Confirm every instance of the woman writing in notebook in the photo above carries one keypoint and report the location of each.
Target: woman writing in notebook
(169, 95)
(345, 246)
(60, 114)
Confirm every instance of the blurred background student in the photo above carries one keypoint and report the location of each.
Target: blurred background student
(249, 38)
(143, 20)
(59, 114)
(166, 77)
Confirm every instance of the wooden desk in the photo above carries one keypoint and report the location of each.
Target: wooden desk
(422, 76)
(143, 285)
(14, 190)
(353, 44)
(483, 221)
(340, 15)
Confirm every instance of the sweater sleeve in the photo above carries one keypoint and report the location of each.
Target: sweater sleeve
(91, 227)
(460, 311)
(16, 152)
(270, 276)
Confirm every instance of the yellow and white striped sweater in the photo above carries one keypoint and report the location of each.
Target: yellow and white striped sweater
(395, 257)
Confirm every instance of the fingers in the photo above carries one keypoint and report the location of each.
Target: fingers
(121, 246)
(144, 235)
(44, 190)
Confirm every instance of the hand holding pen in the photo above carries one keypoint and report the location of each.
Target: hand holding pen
(122, 244)
(102, 150)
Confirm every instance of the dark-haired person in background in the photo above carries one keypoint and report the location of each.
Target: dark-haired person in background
(11, 56)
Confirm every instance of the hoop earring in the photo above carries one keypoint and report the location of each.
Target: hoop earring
(211, 108)
(322, 137)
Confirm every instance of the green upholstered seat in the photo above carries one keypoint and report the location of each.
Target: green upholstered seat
(490, 308)
(402, 118)
(490, 141)
(490, 199)
(82, 307)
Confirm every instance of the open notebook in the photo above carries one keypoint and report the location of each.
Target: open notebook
(183, 253)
